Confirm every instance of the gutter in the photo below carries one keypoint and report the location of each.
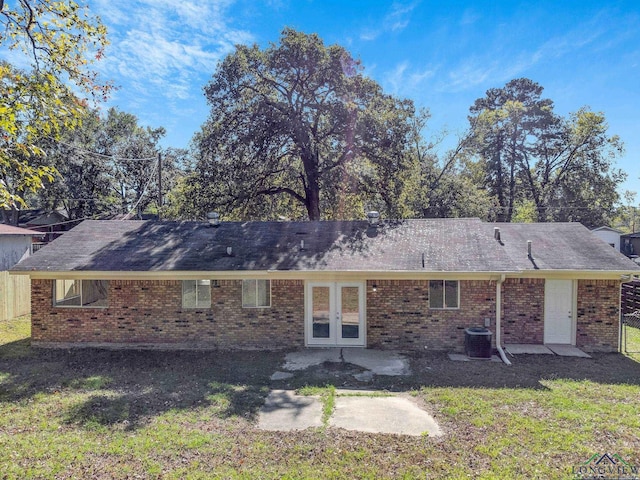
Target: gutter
(503, 356)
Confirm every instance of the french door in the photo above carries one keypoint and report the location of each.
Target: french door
(335, 314)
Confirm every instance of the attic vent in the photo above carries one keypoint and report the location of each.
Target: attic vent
(496, 233)
(214, 218)
(373, 218)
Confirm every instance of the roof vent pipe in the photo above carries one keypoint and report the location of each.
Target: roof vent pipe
(229, 251)
(214, 218)
(373, 218)
(496, 233)
(301, 244)
(529, 248)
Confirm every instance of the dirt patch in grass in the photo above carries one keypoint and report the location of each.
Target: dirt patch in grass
(149, 414)
(435, 369)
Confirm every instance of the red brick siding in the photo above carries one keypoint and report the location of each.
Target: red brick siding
(398, 314)
(598, 315)
(151, 312)
(523, 310)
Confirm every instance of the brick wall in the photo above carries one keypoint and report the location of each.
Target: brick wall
(398, 314)
(598, 315)
(150, 312)
(523, 311)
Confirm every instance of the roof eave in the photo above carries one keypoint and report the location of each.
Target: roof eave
(327, 275)
(271, 274)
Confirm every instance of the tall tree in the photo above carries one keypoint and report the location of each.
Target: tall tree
(299, 123)
(503, 123)
(61, 40)
(106, 165)
(134, 150)
(530, 154)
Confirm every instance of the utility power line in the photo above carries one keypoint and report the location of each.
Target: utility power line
(110, 157)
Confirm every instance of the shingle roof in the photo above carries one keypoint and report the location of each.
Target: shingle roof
(559, 246)
(11, 230)
(444, 245)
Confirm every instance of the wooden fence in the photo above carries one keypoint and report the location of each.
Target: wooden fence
(630, 297)
(15, 295)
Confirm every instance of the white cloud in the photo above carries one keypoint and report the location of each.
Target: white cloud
(404, 80)
(398, 17)
(158, 47)
(396, 20)
(506, 63)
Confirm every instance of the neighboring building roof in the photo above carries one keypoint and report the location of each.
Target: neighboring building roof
(631, 235)
(427, 245)
(607, 229)
(42, 217)
(11, 230)
(559, 246)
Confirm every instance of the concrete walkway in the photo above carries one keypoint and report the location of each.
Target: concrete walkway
(394, 414)
(561, 350)
(284, 410)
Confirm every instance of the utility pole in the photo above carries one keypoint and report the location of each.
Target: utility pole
(159, 183)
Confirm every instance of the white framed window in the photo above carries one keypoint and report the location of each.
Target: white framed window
(444, 294)
(196, 293)
(81, 293)
(256, 293)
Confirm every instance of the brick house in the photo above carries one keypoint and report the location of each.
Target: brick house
(409, 284)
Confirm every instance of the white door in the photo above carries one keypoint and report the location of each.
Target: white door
(558, 312)
(335, 313)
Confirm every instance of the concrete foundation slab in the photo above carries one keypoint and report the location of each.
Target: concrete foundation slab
(399, 415)
(303, 359)
(519, 349)
(283, 410)
(461, 357)
(281, 376)
(568, 351)
(377, 361)
(380, 362)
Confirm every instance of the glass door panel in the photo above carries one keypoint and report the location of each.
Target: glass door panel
(350, 312)
(321, 312)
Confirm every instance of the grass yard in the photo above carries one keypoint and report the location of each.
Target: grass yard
(129, 414)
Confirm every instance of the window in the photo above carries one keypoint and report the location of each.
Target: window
(80, 293)
(444, 294)
(196, 293)
(256, 293)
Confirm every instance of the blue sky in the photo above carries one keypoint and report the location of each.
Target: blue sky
(441, 54)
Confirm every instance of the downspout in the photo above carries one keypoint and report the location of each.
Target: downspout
(503, 356)
(623, 280)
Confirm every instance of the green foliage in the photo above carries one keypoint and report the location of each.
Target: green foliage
(530, 154)
(62, 40)
(106, 165)
(300, 124)
(31, 106)
(524, 211)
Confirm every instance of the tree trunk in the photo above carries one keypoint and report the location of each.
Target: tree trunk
(313, 199)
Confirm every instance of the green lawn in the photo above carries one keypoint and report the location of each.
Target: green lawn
(128, 414)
